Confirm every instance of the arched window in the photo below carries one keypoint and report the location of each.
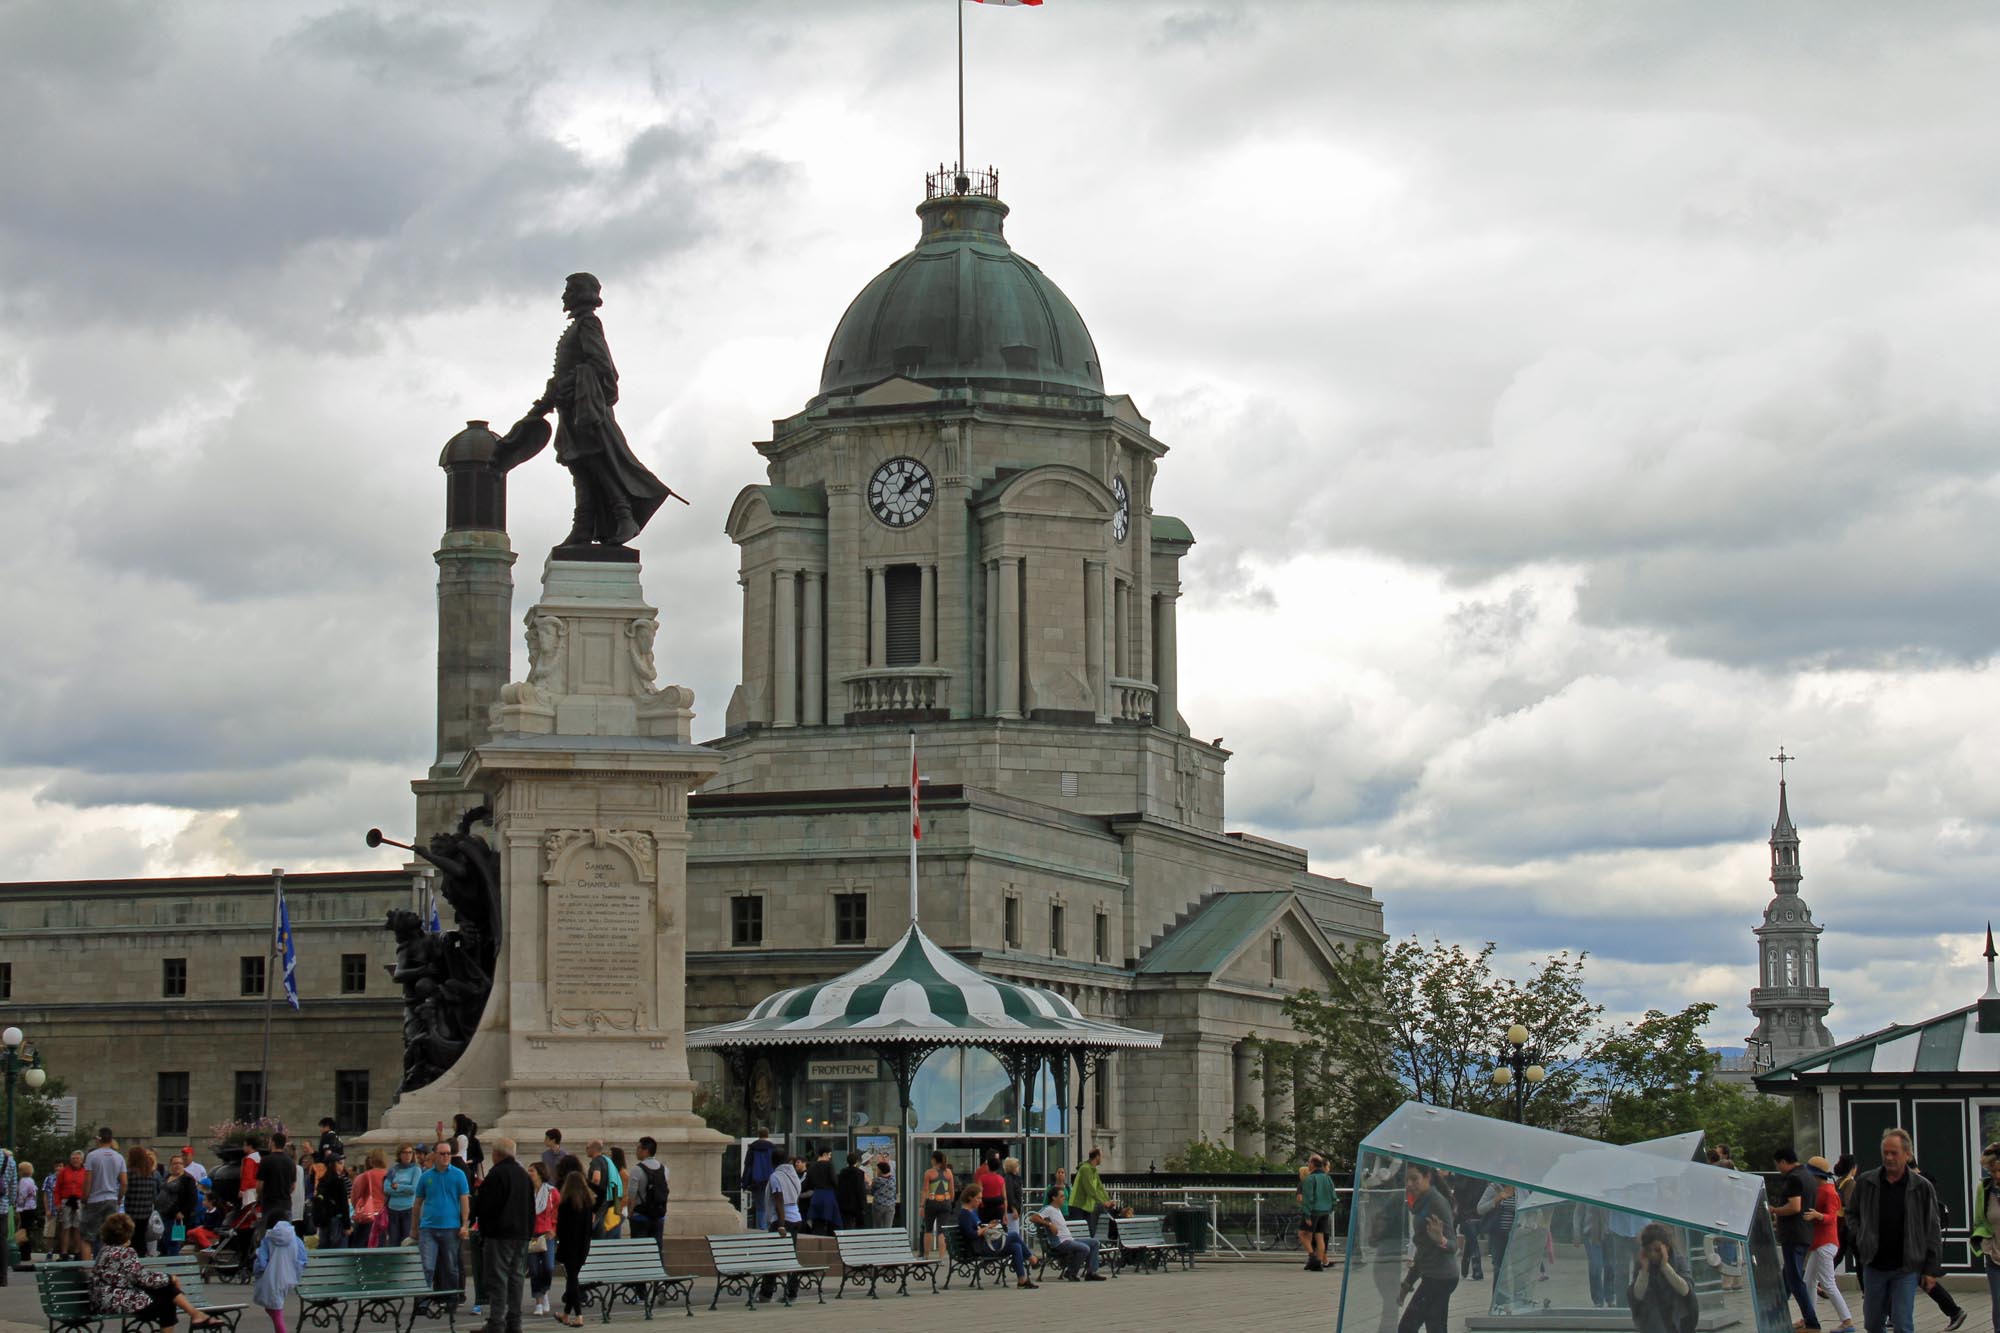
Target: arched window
(1791, 967)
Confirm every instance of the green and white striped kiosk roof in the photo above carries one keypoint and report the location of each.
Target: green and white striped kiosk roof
(916, 993)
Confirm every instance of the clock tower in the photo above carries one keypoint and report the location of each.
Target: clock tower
(1789, 1001)
(958, 533)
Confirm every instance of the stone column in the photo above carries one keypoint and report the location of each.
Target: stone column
(1277, 1101)
(475, 599)
(1093, 636)
(1245, 1090)
(927, 616)
(815, 653)
(785, 649)
(878, 616)
(1010, 638)
(1121, 661)
(1166, 711)
(990, 703)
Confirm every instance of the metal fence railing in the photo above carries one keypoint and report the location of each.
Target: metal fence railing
(1242, 1219)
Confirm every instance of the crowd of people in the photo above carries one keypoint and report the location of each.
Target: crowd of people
(112, 1207)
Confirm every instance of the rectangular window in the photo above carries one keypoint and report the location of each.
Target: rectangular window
(1101, 938)
(850, 918)
(173, 979)
(170, 1106)
(1058, 936)
(353, 973)
(1100, 1096)
(350, 1100)
(746, 921)
(6, 981)
(249, 1094)
(251, 971)
(903, 598)
(1010, 922)
(1277, 958)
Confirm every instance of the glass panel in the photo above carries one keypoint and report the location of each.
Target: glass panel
(934, 1094)
(1047, 1116)
(990, 1096)
(1530, 1230)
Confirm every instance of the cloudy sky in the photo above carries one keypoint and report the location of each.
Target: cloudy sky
(1573, 403)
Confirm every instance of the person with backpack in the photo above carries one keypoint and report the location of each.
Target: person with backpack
(602, 1177)
(649, 1195)
(759, 1160)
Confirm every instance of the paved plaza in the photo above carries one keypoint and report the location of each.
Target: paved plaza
(1213, 1296)
(1217, 1295)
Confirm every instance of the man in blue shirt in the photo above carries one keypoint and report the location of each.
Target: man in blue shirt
(444, 1209)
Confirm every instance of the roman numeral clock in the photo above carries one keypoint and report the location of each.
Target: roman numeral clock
(901, 492)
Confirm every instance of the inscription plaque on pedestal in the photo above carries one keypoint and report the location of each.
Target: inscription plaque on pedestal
(601, 957)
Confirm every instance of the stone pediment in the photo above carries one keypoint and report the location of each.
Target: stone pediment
(1055, 490)
(896, 391)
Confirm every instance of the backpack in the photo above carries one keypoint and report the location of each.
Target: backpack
(652, 1201)
(757, 1162)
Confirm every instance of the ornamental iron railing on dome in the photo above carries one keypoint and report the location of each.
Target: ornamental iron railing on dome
(947, 182)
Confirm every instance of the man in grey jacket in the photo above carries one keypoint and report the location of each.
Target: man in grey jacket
(1897, 1238)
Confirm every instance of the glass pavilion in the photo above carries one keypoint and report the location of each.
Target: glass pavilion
(1580, 1206)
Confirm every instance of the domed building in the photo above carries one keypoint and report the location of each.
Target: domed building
(956, 537)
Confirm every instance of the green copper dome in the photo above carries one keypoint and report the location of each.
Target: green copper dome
(963, 309)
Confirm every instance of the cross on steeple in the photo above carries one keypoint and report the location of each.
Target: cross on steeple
(1781, 759)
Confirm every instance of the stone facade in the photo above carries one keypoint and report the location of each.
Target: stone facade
(92, 982)
(965, 548)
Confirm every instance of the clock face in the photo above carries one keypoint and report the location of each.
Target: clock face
(901, 492)
(1121, 522)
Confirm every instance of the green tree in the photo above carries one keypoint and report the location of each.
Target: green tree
(1417, 1022)
(1204, 1156)
(1658, 1079)
(35, 1126)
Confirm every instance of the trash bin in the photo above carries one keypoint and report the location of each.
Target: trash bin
(1188, 1224)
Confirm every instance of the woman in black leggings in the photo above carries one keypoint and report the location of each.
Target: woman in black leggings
(574, 1215)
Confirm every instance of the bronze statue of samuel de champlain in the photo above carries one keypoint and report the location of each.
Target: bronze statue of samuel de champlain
(615, 492)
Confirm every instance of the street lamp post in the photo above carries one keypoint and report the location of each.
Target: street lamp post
(30, 1072)
(1517, 1069)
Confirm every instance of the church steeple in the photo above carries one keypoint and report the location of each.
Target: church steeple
(1788, 999)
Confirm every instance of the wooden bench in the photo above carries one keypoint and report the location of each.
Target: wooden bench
(186, 1270)
(630, 1272)
(379, 1286)
(875, 1253)
(743, 1260)
(960, 1257)
(64, 1292)
(1043, 1252)
(1144, 1240)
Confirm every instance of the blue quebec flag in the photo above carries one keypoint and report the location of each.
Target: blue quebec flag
(291, 959)
(434, 926)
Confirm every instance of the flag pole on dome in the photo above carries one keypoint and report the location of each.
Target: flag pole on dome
(961, 67)
(916, 826)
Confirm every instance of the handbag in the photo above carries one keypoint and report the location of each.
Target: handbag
(539, 1245)
(156, 1227)
(612, 1217)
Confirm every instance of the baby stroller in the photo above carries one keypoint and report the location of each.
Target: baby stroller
(229, 1249)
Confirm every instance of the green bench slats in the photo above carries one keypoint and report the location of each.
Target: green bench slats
(1145, 1239)
(630, 1271)
(64, 1292)
(385, 1286)
(870, 1254)
(960, 1257)
(744, 1260)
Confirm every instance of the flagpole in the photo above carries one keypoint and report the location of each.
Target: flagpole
(959, 172)
(264, 1071)
(913, 822)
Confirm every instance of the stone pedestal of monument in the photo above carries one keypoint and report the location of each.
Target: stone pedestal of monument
(588, 772)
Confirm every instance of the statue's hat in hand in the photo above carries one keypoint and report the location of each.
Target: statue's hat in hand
(615, 493)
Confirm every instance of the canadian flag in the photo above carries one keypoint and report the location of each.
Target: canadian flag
(916, 823)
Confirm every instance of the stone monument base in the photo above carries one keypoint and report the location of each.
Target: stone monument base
(587, 773)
